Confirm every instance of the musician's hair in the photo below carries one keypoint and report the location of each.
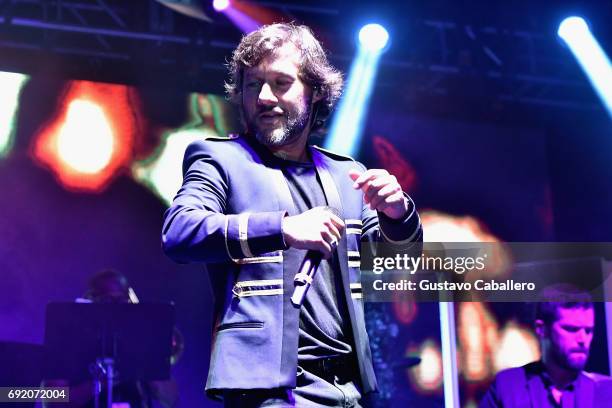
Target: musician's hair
(315, 69)
(96, 288)
(560, 296)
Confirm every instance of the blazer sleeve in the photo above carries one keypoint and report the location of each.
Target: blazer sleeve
(197, 227)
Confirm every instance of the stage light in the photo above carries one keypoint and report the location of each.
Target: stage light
(241, 14)
(443, 227)
(514, 337)
(475, 321)
(11, 85)
(91, 136)
(405, 309)
(590, 56)
(86, 140)
(243, 21)
(427, 376)
(162, 172)
(220, 5)
(393, 160)
(347, 125)
(373, 37)
(572, 26)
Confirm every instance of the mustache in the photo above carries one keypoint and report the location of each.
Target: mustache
(272, 109)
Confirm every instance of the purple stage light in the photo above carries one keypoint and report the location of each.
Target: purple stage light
(220, 5)
(241, 20)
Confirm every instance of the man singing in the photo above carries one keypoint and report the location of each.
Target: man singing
(564, 323)
(252, 207)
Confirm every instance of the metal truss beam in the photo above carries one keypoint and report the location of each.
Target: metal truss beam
(435, 57)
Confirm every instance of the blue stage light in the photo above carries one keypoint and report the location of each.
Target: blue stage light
(373, 37)
(572, 26)
(591, 57)
(347, 125)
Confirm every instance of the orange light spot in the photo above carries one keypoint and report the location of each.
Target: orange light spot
(394, 161)
(92, 120)
(427, 376)
(513, 338)
(477, 334)
(405, 308)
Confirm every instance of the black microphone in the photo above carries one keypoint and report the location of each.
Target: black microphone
(303, 279)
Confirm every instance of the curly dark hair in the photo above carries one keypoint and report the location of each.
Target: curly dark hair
(560, 296)
(315, 69)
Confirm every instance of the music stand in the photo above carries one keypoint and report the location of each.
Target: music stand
(108, 340)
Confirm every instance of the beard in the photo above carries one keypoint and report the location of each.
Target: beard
(288, 129)
(571, 361)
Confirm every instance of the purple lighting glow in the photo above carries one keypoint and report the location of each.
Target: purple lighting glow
(241, 20)
(220, 5)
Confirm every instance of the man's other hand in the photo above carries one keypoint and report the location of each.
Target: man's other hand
(381, 192)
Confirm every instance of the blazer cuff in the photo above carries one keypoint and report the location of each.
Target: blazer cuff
(251, 234)
(403, 230)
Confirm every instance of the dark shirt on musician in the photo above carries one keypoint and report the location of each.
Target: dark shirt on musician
(323, 316)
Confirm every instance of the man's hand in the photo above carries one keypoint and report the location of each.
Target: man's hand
(317, 229)
(381, 192)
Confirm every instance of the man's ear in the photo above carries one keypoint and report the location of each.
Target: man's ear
(540, 328)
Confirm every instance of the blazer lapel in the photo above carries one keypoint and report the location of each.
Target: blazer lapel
(330, 188)
(536, 390)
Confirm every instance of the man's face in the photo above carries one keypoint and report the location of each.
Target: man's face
(276, 103)
(568, 340)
